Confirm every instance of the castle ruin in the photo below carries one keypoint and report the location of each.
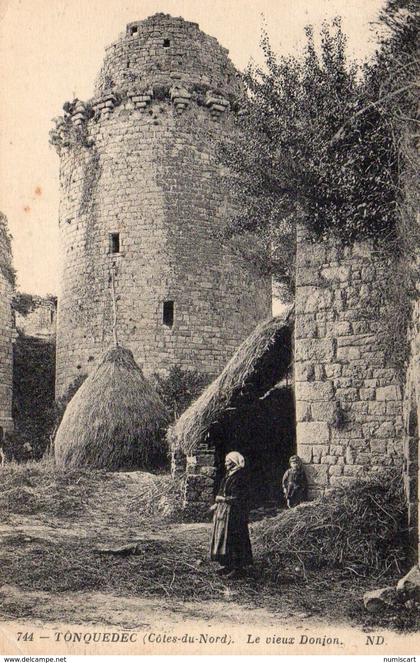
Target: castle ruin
(348, 395)
(38, 318)
(6, 328)
(355, 412)
(142, 203)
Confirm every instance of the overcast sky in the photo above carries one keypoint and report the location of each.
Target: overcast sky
(51, 50)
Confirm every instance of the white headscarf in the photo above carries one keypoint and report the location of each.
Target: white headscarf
(236, 458)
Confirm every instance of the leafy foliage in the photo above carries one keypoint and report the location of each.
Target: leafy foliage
(23, 303)
(317, 144)
(179, 388)
(393, 80)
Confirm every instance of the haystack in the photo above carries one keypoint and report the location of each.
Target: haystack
(115, 420)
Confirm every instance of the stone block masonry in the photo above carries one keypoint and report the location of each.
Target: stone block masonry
(6, 329)
(348, 397)
(411, 417)
(40, 320)
(143, 203)
(197, 474)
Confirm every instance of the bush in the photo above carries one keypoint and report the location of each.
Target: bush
(331, 145)
(179, 388)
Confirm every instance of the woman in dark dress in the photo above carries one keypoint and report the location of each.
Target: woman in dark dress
(230, 545)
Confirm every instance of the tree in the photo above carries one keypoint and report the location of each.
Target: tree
(314, 146)
(392, 80)
(179, 389)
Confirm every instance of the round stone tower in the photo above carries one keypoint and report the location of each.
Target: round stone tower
(142, 206)
(6, 328)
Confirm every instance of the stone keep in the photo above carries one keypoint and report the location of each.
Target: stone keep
(142, 201)
(6, 328)
(348, 395)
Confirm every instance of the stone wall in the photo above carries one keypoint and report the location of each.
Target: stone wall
(197, 474)
(348, 398)
(411, 415)
(163, 48)
(6, 329)
(40, 321)
(139, 161)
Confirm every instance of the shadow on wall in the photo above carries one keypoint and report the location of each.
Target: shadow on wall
(33, 396)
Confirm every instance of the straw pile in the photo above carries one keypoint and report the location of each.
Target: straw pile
(114, 421)
(361, 528)
(262, 360)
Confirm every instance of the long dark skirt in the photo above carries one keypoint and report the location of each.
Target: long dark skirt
(230, 545)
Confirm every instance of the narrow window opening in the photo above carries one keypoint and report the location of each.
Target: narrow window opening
(168, 314)
(128, 64)
(134, 30)
(114, 242)
(166, 43)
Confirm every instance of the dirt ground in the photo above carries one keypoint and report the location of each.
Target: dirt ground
(93, 612)
(75, 611)
(86, 551)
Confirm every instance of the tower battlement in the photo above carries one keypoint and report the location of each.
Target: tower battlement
(165, 49)
(160, 59)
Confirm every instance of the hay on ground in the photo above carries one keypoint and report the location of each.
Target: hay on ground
(361, 528)
(259, 364)
(115, 420)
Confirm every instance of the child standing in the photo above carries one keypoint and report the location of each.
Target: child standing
(295, 485)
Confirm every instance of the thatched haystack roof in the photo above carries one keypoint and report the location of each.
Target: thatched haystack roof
(115, 419)
(263, 359)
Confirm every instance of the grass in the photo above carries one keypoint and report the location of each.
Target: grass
(90, 497)
(169, 563)
(41, 489)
